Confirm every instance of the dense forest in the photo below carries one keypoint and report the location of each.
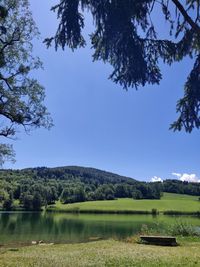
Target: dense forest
(36, 187)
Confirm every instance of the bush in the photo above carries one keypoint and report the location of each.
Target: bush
(183, 229)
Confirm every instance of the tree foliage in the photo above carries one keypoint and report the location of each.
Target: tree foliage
(126, 36)
(21, 96)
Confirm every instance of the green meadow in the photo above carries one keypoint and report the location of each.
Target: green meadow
(169, 202)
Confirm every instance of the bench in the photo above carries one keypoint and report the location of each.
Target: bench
(159, 240)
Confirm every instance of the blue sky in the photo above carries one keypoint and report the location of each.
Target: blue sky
(97, 123)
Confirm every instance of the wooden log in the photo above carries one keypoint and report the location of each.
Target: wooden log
(159, 240)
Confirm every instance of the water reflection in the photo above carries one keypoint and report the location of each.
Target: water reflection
(69, 228)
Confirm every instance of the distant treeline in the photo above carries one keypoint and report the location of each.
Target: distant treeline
(179, 187)
(37, 187)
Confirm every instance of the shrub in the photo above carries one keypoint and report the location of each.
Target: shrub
(154, 212)
(183, 229)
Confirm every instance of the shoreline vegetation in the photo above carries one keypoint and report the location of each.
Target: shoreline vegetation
(129, 212)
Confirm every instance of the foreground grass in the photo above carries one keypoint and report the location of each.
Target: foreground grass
(174, 202)
(102, 253)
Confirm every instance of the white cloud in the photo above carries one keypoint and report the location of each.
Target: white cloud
(156, 179)
(185, 177)
(177, 174)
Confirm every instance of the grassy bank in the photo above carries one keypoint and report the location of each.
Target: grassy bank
(102, 253)
(168, 204)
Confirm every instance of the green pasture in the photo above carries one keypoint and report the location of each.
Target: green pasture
(174, 202)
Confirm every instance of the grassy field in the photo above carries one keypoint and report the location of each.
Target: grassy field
(108, 253)
(174, 202)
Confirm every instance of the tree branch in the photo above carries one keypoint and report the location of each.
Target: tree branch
(12, 40)
(8, 131)
(194, 25)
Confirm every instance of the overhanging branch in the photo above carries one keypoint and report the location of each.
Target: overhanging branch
(190, 21)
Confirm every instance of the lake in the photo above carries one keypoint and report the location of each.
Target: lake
(24, 227)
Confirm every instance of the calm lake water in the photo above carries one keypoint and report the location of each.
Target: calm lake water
(20, 228)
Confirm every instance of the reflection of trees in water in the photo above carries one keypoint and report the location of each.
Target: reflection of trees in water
(49, 227)
(4, 220)
(12, 227)
(66, 228)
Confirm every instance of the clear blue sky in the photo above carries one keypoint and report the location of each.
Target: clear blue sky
(97, 123)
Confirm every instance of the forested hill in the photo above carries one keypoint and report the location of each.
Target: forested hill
(34, 187)
(84, 174)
